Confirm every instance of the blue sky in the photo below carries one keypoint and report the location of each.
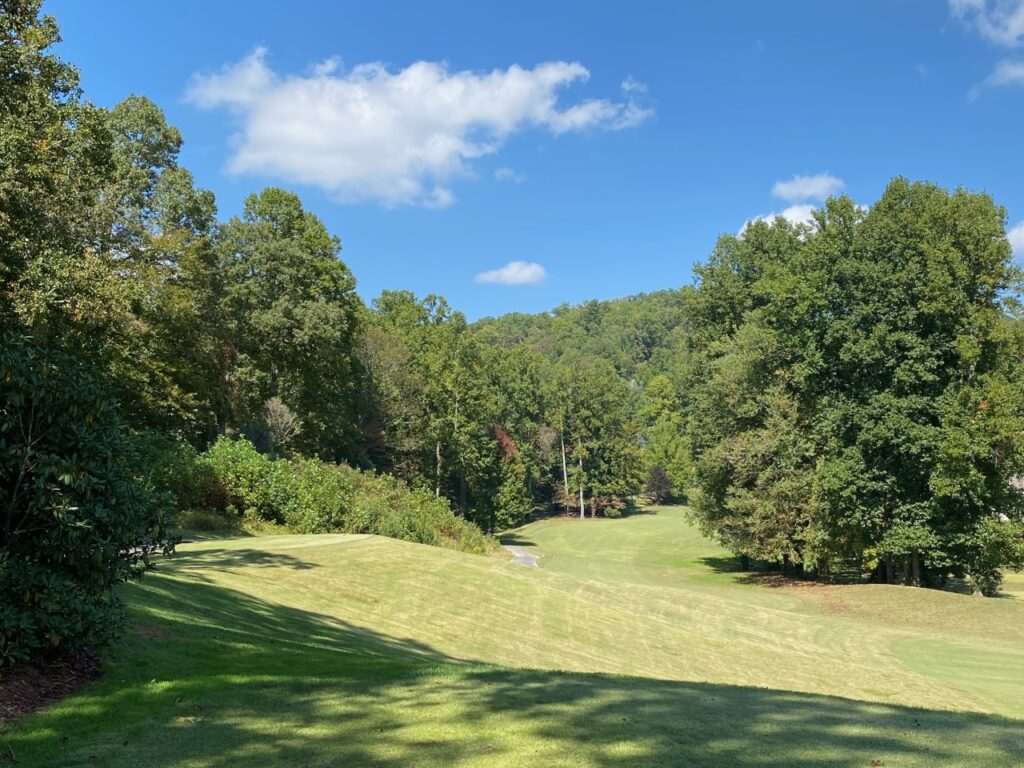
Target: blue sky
(599, 148)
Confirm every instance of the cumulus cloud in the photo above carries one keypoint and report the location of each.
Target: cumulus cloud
(398, 137)
(801, 213)
(998, 21)
(507, 174)
(807, 187)
(514, 273)
(1016, 238)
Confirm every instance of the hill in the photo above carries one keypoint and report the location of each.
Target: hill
(634, 643)
(637, 334)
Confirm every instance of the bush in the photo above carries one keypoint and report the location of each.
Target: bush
(614, 507)
(75, 519)
(243, 479)
(323, 497)
(233, 480)
(208, 520)
(994, 545)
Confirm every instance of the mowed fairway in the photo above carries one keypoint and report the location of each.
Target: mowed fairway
(633, 644)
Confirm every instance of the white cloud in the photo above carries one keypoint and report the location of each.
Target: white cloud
(807, 187)
(802, 213)
(632, 85)
(998, 21)
(1016, 238)
(507, 174)
(399, 137)
(1007, 72)
(327, 66)
(514, 273)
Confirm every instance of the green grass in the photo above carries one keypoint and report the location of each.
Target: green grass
(634, 644)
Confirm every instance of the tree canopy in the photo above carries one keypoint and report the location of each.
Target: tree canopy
(862, 405)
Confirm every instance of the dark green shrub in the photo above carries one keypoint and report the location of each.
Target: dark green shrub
(245, 480)
(323, 497)
(208, 521)
(234, 480)
(659, 486)
(75, 519)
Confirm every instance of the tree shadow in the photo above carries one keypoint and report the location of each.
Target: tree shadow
(515, 539)
(722, 564)
(758, 574)
(236, 681)
(232, 558)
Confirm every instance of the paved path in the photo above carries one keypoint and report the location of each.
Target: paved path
(523, 557)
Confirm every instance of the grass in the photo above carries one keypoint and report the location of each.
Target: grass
(634, 643)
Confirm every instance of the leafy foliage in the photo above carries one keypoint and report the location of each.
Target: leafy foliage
(75, 519)
(863, 405)
(233, 479)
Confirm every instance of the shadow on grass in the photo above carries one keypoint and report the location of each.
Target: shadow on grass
(235, 681)
(756, 573)
(722, 564)
(226, 559)
(514, 539)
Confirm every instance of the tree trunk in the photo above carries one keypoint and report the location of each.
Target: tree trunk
(582, 508)
(915, 566)
(565, 472)
(890, 571)
(437, 469)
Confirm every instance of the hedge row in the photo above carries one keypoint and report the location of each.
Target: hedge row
(234, 480)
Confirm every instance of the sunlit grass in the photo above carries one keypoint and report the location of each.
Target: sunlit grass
(633, 644)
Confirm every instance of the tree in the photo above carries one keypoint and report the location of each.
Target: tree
(434, 402)
(292, 323)
(156, 230)
(75, 520)
(862, 405)
(57, 155)
(665, 445)
(659, 487)
(590, 403)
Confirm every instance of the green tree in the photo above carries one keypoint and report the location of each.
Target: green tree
(292, 323)
(590, 405)
(862, 405)
(75, 519)
(665, 444)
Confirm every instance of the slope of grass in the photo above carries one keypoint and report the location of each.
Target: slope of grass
(633, 644)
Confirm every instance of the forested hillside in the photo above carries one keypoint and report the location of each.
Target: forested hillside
(640, 335)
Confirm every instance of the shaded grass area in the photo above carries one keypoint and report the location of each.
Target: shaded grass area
(220, 679)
